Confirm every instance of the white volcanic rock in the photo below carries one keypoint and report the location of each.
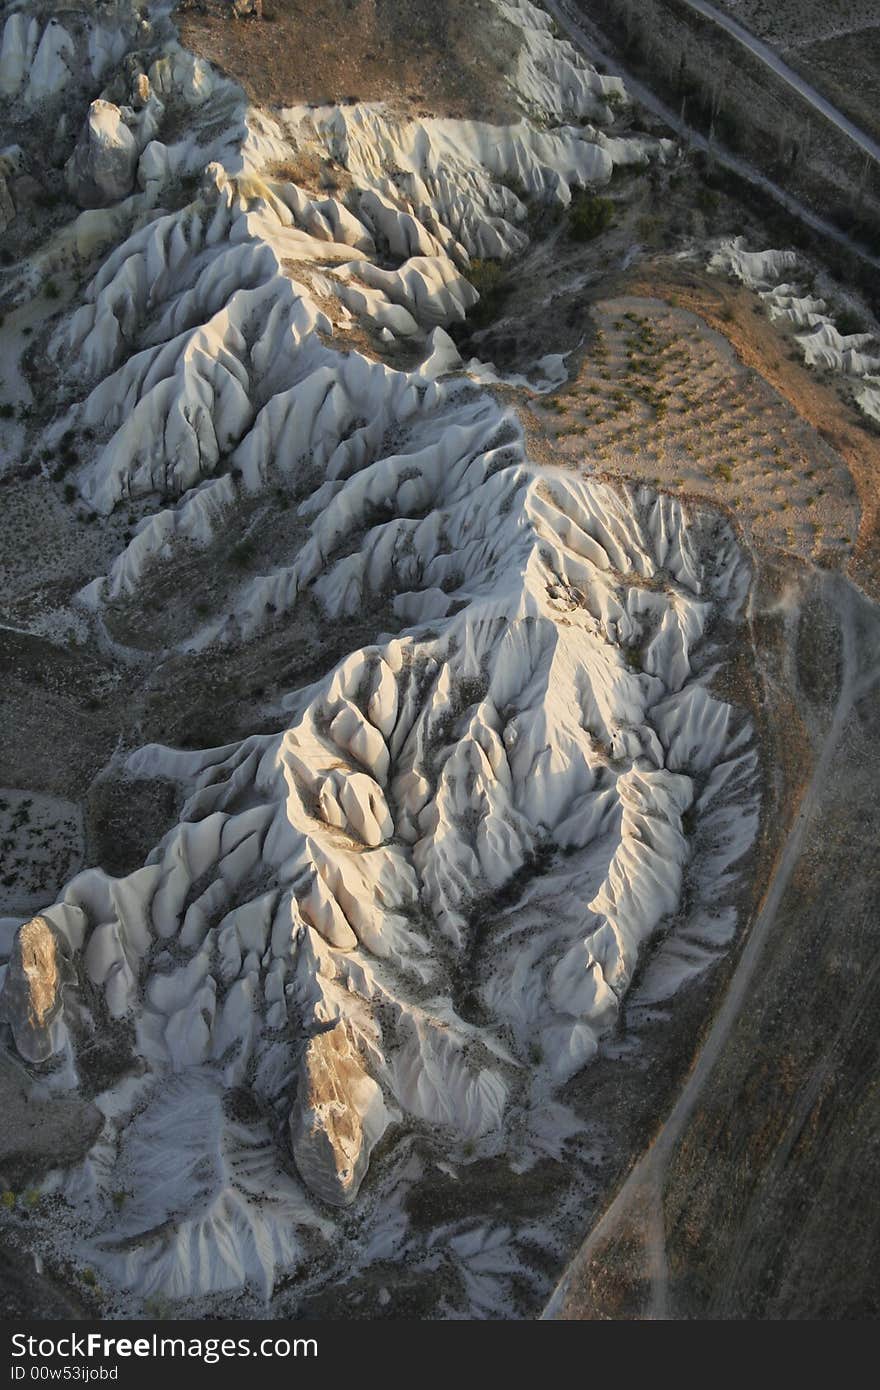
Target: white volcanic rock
(31, 999)
(821, 342)
(190, 1169)
(40, 59)
(109, 42)
(824, 346)
(551, 76)
(36, 61)
(102, 167)
(420, 776)
(210, 296)
(757, 269)
(21, 35)
(784, 302)
(182, 75)
(420, 899)
(868, 397)
(52, 65)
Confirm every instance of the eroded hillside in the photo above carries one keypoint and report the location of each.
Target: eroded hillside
(409, 533)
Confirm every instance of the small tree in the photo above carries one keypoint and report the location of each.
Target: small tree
(589, 216)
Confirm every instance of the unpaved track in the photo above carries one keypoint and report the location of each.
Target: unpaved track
(565, 12)
(644, 1187)
(772, 60)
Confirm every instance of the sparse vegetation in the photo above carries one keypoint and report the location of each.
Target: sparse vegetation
(487, 278)
(158, 1307)
(242, 553)
(589, 215)
(632, 655)
(847, 321)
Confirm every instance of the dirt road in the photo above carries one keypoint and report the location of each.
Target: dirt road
(639, 1203)
(566, 15)
(789, 77)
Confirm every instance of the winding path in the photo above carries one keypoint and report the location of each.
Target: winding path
(642, 1191)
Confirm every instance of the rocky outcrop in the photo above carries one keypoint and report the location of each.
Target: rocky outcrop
(12, 163)
(31, 1001)
(102, 168)
(338, 1117)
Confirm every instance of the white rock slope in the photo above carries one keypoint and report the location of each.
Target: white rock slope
(413, 911)
(852, 355)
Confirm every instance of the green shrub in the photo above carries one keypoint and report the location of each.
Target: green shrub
(243, 553)
(649, 229)
(484, 275)
(487, 278)
(589, 216)
(848, 321)
(633, 657)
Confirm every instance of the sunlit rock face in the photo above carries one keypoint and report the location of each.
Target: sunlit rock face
(32, 997)
(421, 903)
(337, 1117)
(410, 913)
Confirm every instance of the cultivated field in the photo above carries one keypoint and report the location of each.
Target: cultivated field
(663, 398)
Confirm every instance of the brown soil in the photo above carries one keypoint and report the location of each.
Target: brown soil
(762, 346)
(437, 57)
